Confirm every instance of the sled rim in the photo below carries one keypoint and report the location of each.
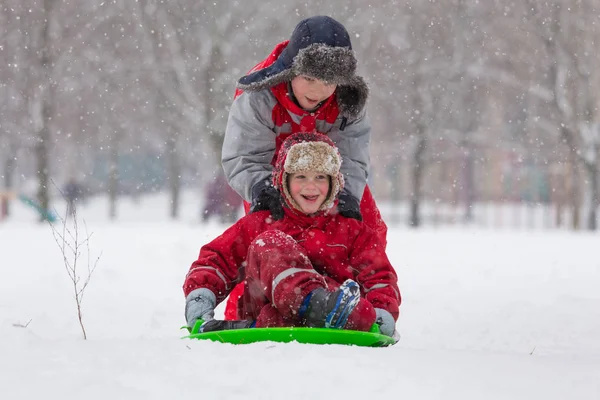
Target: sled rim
(297, 334)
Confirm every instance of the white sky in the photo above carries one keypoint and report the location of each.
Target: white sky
(485, 315)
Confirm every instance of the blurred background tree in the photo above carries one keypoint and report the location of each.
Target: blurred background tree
(472, 103)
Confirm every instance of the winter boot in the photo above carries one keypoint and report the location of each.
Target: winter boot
(220, 325)
(324, 309)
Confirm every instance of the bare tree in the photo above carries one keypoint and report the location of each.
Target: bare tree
(451, 82)
(188, 60)
(568, 32)
(42, 101)
(72, 244)
(175, 60)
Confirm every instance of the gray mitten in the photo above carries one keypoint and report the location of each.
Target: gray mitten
(386, 322)
(200, 304)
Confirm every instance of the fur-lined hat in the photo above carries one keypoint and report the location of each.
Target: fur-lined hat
(319, 47)
(302, 152)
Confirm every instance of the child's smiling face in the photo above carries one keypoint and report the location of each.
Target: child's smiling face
(309, 190)
(310, 91)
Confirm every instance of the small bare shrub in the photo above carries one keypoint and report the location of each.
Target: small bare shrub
(71, 244)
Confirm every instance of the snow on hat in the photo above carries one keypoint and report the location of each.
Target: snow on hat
(319, 47)
(302, 152)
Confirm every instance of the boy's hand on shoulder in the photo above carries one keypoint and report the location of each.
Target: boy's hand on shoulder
(265, 197)
(349, 206)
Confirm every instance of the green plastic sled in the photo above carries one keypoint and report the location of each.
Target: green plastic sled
(373, 338)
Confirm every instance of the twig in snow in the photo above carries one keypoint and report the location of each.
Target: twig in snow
(18, 325)
(70, 245)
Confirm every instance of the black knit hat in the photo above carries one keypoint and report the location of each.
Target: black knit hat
(319, 47)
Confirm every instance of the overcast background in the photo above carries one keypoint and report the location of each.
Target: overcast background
(472, 102)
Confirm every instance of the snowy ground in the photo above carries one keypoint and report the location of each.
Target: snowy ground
(485, 315)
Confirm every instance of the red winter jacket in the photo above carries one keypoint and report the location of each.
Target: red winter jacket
(339, 248)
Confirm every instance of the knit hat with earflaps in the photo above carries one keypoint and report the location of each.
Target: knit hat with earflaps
(319, 47)
(302, 152)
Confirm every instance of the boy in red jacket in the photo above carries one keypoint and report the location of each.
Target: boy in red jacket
(313, 267)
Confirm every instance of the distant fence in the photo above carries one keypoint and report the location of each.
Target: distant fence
(486, 215)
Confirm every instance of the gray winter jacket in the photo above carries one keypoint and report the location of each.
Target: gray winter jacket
(260, 120)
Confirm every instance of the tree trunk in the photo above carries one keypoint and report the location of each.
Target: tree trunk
(42, 147)
(41, 153)
(594, 197)
(174, 172)
(468, 178)
(9, 169)
(559, 197)
(213, 70)
(574, 196)
(395, 193)
(113, 176)
(417, 177)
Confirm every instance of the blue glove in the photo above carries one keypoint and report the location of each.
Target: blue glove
(265, 197)
(386, 322)
(200, 304)
(349, 206)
